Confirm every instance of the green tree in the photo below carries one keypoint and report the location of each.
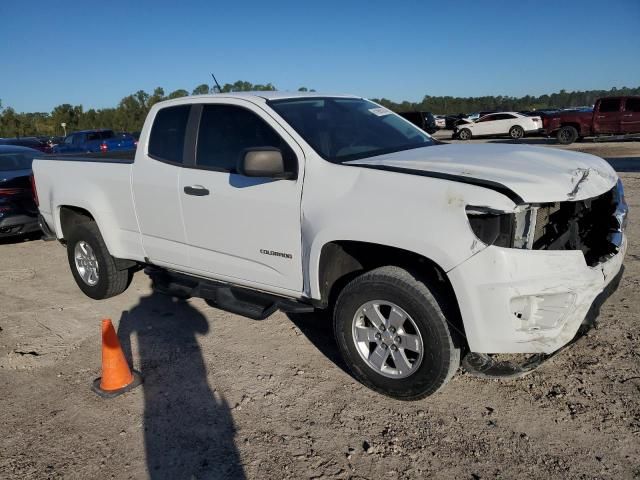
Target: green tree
(242, 86)
(9, 123)
(68, 114)
(157, 96)
(201, 89)
(178, 93)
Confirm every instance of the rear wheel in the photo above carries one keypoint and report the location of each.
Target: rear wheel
(393, 334)
(567, 135)
(93, 268)
(464, 134)
(516, 132)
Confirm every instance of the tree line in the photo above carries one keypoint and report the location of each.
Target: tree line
(457, 105)
(129, 114)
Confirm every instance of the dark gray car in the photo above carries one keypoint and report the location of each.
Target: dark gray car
(18, 210)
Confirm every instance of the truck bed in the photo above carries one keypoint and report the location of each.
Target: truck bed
(99, 184)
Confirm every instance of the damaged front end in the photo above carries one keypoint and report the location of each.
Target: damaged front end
(547, 317)
(594, 226)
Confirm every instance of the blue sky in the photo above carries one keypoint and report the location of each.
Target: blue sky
(74, 52)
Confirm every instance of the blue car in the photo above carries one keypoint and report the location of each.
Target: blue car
(87, 141)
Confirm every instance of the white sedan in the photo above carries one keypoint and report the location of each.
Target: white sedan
(513, 124)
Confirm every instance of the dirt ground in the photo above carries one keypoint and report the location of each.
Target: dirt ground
(227, 397)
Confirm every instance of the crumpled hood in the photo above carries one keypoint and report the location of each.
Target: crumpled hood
(535, 174)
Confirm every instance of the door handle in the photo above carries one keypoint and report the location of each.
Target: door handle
(601, 116)
(628, 115)
(196, 190)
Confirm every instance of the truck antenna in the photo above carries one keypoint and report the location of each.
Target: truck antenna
(217, 84)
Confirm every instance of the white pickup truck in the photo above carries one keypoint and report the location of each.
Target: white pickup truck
(423, 252)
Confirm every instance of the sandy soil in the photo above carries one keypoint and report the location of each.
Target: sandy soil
(227, 397)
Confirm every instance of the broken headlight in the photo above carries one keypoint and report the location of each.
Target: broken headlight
(502, 229)
(492, 227)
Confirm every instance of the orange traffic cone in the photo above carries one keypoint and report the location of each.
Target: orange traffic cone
(117, 377)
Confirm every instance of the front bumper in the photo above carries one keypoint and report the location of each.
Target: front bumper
(528, 301)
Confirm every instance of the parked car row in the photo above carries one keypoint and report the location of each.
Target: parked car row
(36, 143)
(616, 117)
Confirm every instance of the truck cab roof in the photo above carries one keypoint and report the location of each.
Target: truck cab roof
(259, 96)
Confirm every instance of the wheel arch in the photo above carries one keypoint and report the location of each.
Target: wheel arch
(342, 260)
(576, 125)
(69, 216)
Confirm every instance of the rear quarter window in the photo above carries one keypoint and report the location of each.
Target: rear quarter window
(166, 141)
(632, 105)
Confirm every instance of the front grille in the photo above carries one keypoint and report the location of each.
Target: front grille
(586, 225)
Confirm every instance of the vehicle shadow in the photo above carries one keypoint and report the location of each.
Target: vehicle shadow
(188, 428)
(318, 328)
(28, 237)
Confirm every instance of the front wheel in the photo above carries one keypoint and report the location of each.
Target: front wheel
(516, 132)
(93, 268)
(464, 134)
(393, 334)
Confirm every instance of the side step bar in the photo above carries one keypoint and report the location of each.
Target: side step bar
(609, 138)
(242, 301)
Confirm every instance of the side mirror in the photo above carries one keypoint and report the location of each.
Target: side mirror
(263, 162)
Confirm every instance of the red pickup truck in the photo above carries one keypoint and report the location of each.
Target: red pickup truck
(618, 116)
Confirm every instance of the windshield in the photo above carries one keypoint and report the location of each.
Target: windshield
(16, 161)
(342, 129)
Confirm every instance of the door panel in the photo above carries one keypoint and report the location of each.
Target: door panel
(630, 122)
(608, 117)
(244, 228)
(156, 181)
(483, 126)
(157, 202)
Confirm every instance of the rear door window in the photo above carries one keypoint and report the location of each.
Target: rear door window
(166, 141)
(610, 105)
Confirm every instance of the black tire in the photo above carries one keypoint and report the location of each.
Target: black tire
(567, 135)
(516, 132)
(441, 358)
(111, 281)
(464, 134)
